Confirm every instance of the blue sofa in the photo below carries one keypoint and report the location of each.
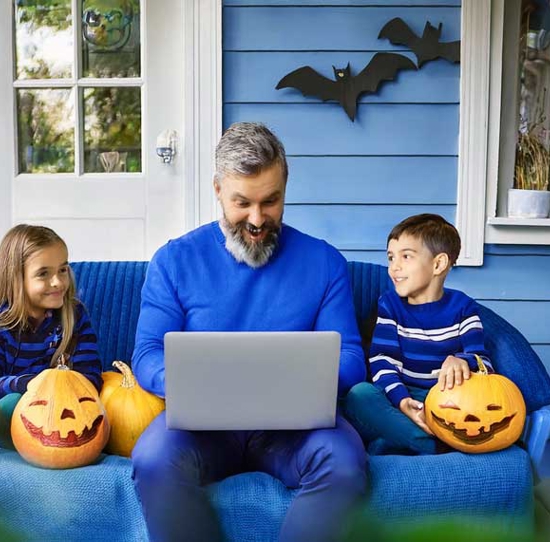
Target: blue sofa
(98, 502)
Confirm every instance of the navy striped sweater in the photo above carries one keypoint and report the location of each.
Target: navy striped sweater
(411, 342)
(25, 354)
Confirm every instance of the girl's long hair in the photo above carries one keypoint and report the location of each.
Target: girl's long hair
(18, 245)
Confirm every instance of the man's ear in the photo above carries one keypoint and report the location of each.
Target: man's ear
(441, 263)
(217, 188)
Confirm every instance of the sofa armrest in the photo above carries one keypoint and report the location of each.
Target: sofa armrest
(513, 357)
(536, 434)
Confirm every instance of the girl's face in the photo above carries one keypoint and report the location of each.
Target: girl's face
(46, 279)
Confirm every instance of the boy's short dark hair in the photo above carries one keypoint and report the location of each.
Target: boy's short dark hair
(434, 231)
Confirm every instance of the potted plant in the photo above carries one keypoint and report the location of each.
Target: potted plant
(530, 197)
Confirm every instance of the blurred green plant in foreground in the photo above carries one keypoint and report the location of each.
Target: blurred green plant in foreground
(364, 529)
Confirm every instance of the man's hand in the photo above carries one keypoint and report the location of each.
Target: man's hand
(415, 411)
(453, 371)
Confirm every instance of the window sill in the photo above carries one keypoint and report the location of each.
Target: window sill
(517, 231)
(529, 222)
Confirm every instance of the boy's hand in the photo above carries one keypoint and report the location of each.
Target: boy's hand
(453, 371)
(415, 411)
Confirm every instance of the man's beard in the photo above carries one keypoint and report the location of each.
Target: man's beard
(253, 253)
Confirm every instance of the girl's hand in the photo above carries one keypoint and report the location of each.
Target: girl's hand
(415, 411)
(453, 371)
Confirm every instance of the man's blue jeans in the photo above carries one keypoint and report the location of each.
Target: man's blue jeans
(379, 422)
(171, 468)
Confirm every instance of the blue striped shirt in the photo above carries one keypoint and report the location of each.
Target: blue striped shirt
(24, 354)
(411, 342)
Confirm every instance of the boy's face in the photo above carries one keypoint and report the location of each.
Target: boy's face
(416, 273)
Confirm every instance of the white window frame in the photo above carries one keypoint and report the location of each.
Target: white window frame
(474, 116)
(7, 134)
(481, 103)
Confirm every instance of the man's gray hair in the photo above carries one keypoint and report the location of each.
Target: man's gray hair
(247, 148)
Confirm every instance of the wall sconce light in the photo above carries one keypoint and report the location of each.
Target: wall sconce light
(167, 145)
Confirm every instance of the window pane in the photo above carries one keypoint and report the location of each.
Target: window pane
(533, 148)
(43, 39)
(112, 129)
(110, 38)
(45, 129)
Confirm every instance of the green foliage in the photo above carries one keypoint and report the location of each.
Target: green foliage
(51, 13)
(44, 147)
(365, 528)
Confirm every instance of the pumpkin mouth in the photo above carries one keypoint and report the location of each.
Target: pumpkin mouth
(482, 436)
(55, 440)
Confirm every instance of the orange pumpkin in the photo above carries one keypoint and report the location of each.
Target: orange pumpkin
(484, 414)
(129, 407)
(59, 422)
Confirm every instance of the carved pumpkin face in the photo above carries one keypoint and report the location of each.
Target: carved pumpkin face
(484, 414)
(60, 422)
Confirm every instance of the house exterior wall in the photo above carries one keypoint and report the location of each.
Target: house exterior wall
(350, 182)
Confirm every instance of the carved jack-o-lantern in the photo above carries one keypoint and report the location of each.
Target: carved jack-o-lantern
(59, 422)
(484, 414)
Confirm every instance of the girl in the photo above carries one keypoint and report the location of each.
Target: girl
(40, 318)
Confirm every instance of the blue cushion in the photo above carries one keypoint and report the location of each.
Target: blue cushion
(96, 502)
(99, 503)
(368, 283)
(445, 485)
(111, 292)
(251, 506)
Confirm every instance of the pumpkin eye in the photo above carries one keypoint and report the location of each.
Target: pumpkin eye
(38, 403)
(471, 418)
(450, 404)
(83, 399)
(494, 407)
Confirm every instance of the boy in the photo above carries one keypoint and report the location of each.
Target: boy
(425, 334)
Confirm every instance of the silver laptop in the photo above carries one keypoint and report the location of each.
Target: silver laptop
(251, 380)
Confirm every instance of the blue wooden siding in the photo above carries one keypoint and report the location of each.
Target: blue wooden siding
(351, 182)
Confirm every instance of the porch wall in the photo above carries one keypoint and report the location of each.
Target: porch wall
(350, 182)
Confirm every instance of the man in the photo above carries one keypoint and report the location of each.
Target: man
(247, 272)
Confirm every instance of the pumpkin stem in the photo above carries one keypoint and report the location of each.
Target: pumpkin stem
(128, 378)
(62, 362)
(482, 369)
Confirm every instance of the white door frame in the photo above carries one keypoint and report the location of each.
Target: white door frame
(203, 106)
(201, 28)
(7, 135)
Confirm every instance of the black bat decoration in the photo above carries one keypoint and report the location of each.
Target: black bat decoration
(347, 88)
(428, 47)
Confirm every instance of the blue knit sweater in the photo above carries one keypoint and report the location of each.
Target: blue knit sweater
(24, 354)
(193, 283)
(411, 342)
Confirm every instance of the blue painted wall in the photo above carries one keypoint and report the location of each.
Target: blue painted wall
(350, 182)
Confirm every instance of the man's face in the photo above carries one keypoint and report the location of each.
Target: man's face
(252, 213)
